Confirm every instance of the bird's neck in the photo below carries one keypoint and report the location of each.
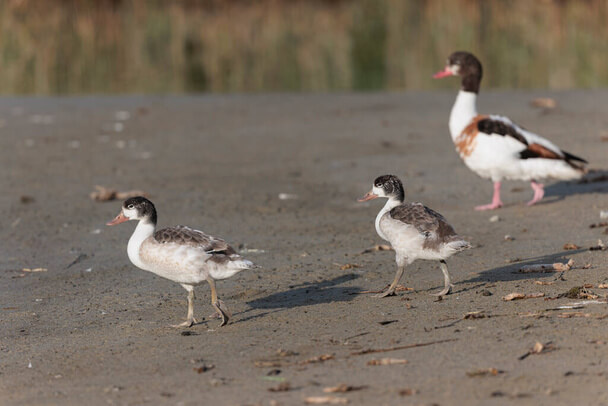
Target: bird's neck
(144, 229)
(463, 111)
(390, 204)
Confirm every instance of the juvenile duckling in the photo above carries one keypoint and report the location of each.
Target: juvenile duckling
(413, 230)
(181, 254)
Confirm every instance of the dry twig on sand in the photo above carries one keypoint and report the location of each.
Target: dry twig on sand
(484, 372)
(342, 388)
(320, 358)
(517, 296)
(401, 347)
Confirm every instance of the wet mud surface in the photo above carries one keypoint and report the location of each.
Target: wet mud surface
(91, 328)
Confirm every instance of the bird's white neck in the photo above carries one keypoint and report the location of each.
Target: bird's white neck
(463, 111)
(143, 230)
(392, 202)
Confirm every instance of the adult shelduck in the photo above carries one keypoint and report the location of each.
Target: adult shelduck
(180, 254)
(413, 230)
(496, 148)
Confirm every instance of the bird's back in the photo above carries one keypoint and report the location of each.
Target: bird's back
(420, 231)
(182, 253)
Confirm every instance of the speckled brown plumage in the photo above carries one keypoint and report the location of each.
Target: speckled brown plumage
(428, 222)
(183, 235)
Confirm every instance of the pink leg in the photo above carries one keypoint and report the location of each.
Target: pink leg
(539, 192)
(496, 203)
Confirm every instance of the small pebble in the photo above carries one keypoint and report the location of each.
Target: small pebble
(604, 214)
(122, 115)
(495, 218)
(287, 196)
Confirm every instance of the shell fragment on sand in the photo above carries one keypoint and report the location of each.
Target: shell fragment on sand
(104, 194)
(325, 400)
(541, 268)
(387, 361)
(544, 103)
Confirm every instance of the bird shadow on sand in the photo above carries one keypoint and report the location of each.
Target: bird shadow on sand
(595, 181)
(510, 272)
(304, 294)
(309, 293)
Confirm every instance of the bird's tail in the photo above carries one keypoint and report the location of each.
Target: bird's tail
(576, 162)
(234, 266)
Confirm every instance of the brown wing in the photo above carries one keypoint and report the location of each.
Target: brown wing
(187, 236)
(428, 222)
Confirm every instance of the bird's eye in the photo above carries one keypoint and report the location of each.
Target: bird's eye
(131, 207)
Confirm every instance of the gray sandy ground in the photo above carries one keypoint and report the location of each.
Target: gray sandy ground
(97, 332)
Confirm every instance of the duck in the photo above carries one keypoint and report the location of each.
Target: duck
(413, 230)
(496, 148)
(181, 254)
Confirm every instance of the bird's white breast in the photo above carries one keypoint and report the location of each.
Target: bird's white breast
(378, 223)
(463, 111)
(141, 233)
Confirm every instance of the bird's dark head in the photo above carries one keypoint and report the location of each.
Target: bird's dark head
(465, 65)
(388, 186)
(136, 208)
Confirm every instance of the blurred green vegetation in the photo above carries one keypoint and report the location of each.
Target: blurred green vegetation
(156, 46)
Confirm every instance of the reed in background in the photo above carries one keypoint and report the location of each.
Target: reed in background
(139, 46)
